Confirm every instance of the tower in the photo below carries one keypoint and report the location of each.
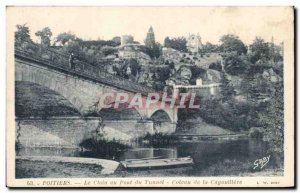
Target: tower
(150, 38)
(194, 43)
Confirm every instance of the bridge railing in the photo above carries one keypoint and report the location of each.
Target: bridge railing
(53, 58)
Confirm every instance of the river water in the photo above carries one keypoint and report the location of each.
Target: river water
(211, 158)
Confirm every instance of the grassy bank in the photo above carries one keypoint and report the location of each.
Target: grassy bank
(42, 169)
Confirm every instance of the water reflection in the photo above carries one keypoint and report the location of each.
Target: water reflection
(204, 153)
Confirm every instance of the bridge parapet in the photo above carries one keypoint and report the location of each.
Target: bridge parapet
(52, 58)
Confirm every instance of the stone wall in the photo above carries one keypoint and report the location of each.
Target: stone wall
(53, 133)
(69, 132)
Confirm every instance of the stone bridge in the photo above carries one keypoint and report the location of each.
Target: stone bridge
(83, 85)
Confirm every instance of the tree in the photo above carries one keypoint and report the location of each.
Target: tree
(260, 50)
(215, 66)
(117, 40)
(232, 43)
(227, 90)
(230, 115)
(75, 47)
(22, 34)
(197, 72)
(208, 47)
(45, 36)
(164, 74)
(98, 43)
(178, 43)
(278, 53)
(272, 120)
(63, 38)
(235, 64)
(109, 50)
(167, 42)
(134, 66)
(153, 52)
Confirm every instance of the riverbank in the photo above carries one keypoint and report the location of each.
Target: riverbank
(54, 166)
(211, 158)
(41, 169)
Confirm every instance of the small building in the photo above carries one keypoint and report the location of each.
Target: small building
(194, 43)
(127, 39)
(128, 51)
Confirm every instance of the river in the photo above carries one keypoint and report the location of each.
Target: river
(211, 158)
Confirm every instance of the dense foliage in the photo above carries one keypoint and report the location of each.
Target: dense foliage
(235, 64)
(45, 36)
(232, 43)
(215, 66)
(95, 142)
(178, 43)
(22, 34)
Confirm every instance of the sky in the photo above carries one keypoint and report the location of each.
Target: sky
(92, 23)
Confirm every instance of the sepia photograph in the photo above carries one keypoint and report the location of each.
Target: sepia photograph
(150, 96)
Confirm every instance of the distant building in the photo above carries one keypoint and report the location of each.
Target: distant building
(199, 82)
(132, 51)
(204, 91)
(194, 43)
(127, 39)
(128, 51)
(150, 38)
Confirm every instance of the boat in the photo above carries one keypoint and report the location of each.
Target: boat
(148, 163)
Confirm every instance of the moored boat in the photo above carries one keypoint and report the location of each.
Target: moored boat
(157, 163)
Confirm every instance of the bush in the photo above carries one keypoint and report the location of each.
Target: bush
(215, 66)
(109, 51)
(178, 43)
(235, 64)
(157, 139)
(102, 146)
(230, 115)
(256, 132)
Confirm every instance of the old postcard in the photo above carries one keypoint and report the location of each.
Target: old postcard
(150, 96)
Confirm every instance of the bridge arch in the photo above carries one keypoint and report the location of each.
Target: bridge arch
(160, 116)
(35, 100)
(162, 121)
(61, 84)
